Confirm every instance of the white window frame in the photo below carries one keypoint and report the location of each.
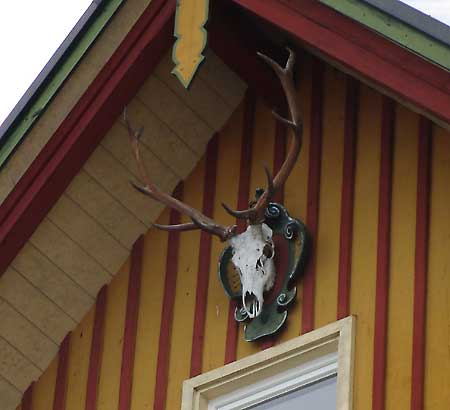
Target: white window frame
(273, 372)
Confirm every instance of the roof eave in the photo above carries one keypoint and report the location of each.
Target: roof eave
(82, 130)
(361, 52)
(52, 77)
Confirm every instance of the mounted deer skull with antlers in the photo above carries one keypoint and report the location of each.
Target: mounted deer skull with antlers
(253, 250)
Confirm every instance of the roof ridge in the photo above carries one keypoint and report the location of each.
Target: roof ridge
(415, 18)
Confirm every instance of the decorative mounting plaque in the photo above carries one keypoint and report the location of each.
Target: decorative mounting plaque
(294, 238)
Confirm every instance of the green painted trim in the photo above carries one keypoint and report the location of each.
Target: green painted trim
(395, 30)
(41, 99)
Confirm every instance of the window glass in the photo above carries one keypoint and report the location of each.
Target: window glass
(320, 395)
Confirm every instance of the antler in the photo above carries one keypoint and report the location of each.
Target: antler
(255, 214)
(199, 220)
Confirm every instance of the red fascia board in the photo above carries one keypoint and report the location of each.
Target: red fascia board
(82, 130)
(361, 51)
(366, 38)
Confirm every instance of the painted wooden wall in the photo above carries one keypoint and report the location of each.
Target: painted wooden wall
(370, 174)
(89, 232)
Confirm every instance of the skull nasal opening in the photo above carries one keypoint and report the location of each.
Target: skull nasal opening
(252, 304)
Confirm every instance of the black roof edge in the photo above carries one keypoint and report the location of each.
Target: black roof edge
(415, 18)
(45, 72)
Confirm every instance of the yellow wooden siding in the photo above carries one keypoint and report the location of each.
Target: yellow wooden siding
(90, 230)
(401, 285)
(364, 252)
(437, 363)
(327, 240)
(149, 319)
(108, 386)
(184, 308)
(364, 259)
(80, 348)
(217, 305)
(44, 390)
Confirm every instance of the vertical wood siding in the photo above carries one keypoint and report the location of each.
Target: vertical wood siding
(204, 258)
(167, 309)
(347, 197)
(372, 181)
(383, 254)
(421, 263)
(437, 333)
(243, 136)
(96, 351)
(312, 210)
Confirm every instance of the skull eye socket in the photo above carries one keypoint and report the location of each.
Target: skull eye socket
(267, 251)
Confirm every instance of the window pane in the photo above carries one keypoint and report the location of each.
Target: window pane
(317, 396)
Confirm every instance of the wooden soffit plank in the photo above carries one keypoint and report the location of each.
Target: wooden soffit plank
(84, 127)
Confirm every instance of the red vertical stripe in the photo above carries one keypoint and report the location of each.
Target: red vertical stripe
(312, 210)
(383, 254)
(204, 258)
(347, 196)
(232, 334)
(162, 368)
(242, 203)
(421, 263)
(246, 156)
(131, 319)
(27, 400)
(96, 350)
(59, 400)
(279, 155)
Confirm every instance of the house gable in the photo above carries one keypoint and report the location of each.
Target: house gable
(325, 93)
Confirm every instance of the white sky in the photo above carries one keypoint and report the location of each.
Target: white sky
(32, 30)
(439, 9)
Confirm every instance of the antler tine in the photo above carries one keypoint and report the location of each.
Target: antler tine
(252, 213)
(131, 131)
(286, 77)
(190, 226)
(199, 220)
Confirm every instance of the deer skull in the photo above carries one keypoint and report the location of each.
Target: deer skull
(253, 252)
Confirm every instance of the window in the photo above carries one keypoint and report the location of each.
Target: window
(311, 371)
(317, 395)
